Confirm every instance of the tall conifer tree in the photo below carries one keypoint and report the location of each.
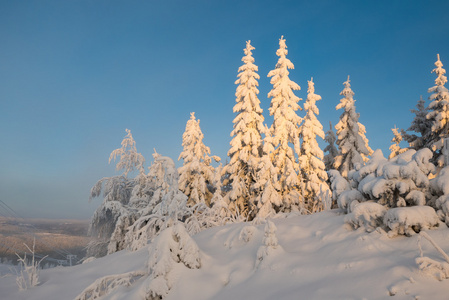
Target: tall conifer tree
(285, 128)
(311, 158)
(246, 144)
(331, 150)
(351, 139)
(196, 173)
(420, 125)
(438, 113)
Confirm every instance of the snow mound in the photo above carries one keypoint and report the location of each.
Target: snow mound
(410, 220)
(366, 214)
(346, 199)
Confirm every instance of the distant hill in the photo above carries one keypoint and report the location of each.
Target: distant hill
(53, 237)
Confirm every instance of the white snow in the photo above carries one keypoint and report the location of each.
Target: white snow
(407, 220)
(316, 257)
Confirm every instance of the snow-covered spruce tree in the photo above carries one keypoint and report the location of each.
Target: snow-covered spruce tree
(440, 189)
(401, 181)
(311, 156)
(220, 208)
(351, 139)
(331, 150)
(438, 112)
(173, 250)
(395, 149)
(285, 130)
(267, 184)
(420, 125)
(196, 174)
(217, 214)
(246, 144)
(130, 159)
(167, 206)
(270, 246)
(117, 192)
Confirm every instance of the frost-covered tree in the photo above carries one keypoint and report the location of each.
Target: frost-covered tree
(246, 144)
(270, 244)
(167, 206)
(440, 189)
(117, 191)
(130, 159)
(311, 156)
(331, 150)
(420, 125)
(401, 181)
(173, 250)
(395, 149)
(438, 112)
(351, 139)
(267, 184)
(196, 174)
(285, 129)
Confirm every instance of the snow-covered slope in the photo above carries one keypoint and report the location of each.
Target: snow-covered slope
(317, 257)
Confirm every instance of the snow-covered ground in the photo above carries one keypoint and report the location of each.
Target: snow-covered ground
(318, 257)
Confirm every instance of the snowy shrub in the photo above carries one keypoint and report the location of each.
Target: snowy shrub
(338, 184)
(437, 269)
(442, 205)
(395, 149)
(267, 184)
(29, 270)
(366, 214)
(373, 168)
(105, 285)
(270, 242)
(166, 206)
(171, 249)
(440, 187)
(410, 220)
(202, 217)
(117, 192)
(247, 233)
(134, 211)
(346, 199)
(400, 181)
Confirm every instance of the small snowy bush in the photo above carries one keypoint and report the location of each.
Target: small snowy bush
(270, 243)
(366, 214)
(171, 249)
(410, 220)
(440, 187)
(29, 273)
(348, 199)
(247, 233)
(437, 269)
(338, 184)
(105, 285)
(401, 181)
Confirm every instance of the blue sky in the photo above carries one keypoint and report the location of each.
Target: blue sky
(75, 74)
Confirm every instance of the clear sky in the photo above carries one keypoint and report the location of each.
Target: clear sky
(75, 74)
